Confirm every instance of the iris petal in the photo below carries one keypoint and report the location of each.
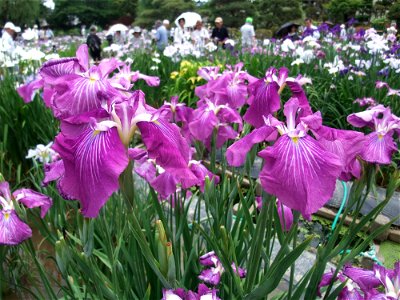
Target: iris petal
(12, 230)
(93, 162)
(300, 173)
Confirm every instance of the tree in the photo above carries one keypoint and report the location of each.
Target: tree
(100, 12)
(275, 13)
(233, 12)
(20, 12)
(394, 13)
(151, 10)
(342, 10)
(315, 9)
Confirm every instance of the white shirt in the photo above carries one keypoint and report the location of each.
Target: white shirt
(180, 35)
(200, 36)
(316, 33)
(248, 35)
(7, 43)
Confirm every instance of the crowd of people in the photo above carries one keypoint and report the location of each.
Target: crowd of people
(197, 35)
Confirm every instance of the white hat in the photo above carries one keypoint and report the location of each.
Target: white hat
(165, 22)
(9, 25)
(17, 29)
(342, 26)
(136, 29)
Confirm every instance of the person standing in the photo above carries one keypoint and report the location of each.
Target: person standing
(180, 33)
(161, 36)
(220, 33)
(200, 35)
(248, 34)
(343, 32)
(136, 39)
(7, 39)
(94, 44)
(311, 29)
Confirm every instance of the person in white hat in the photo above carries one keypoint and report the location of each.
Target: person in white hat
(7, 39)
(136, 40)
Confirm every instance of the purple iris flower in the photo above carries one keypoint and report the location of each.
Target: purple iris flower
(178, 113)
(380, 145)
(213, 274)
(390, 279)
(13, 231)
(208, 117)
(366, 101)
(228, 88)
(377, 284)
(298, 169)
(264, 96)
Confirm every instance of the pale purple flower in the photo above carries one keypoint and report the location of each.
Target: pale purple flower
(366, 101)
(212, 275)
(13, 231)
(177, 294)
(380, 144)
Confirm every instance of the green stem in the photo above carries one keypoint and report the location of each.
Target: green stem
(293, 267)
(214, 150)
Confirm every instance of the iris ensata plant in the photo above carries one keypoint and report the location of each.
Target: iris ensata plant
(375, 284)
(99, 115)
(13, 230)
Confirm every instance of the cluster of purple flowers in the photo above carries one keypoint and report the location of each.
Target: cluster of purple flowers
(376, 284)
(99, 114)
(211, 276)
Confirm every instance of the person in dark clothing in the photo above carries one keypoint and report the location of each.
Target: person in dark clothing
(94, 44)
(220, 33)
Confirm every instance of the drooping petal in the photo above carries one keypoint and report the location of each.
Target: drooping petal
(33, 199)
(379, 149)
(12, 230)
(27, 91)
(202, 124)
(365, 279)
(150, 80)
(80, 94)
(300, 173)
(264, 100)
(346, 144)
(366, 118)
(53, 171)
(236, 153)
(93, 162)
(55, 68)
(350, 294)
(165, 184)
(166, 145)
